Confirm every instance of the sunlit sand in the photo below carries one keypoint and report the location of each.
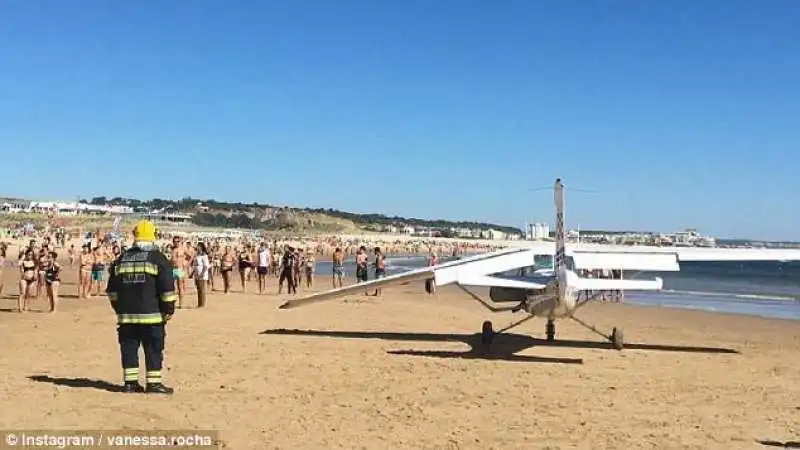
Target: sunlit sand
(405, 371)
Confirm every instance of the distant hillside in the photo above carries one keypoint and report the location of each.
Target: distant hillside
(270, 217)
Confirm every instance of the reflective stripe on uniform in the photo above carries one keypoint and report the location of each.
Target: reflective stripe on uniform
(131, 374)
(142, 319)
(112, 296)
(169, 297)
(127, 268)
(153, 376)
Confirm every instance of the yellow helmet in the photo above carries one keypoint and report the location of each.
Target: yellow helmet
(144, 231)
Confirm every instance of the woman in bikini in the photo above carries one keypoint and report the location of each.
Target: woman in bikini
(27, 280)
(52, 271)
(86, 262)
(228, 261)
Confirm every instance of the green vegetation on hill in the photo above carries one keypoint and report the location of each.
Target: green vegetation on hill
(255, 215)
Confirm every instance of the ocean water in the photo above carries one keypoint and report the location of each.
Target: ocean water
(768, 289)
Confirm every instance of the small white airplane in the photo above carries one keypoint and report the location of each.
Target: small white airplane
(559, 297)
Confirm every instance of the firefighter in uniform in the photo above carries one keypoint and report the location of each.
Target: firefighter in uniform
(141, 289)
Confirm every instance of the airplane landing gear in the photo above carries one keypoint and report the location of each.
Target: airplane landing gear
(550, 330)
(616, 339)
(487, 333)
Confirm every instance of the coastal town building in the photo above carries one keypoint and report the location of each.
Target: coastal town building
(537, 231)
(12, 205)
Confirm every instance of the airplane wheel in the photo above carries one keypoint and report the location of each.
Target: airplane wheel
(487, 333)
(617, 339)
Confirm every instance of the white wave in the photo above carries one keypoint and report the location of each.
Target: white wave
(786, 298)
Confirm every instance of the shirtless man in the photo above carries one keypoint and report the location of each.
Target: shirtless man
(338, 267)
(361, 266)
(178, 258)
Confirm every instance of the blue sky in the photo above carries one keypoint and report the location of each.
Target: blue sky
(675, 113)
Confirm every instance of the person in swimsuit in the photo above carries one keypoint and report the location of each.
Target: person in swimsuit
(201, 267)
(71, 254)
(27, 280)
(178, 258)
(42, 260)
(263, 267)
(380, 268)
(86, 260)
(245, 264)
(338, 267)
(216, 264)
(274, 261)
(362, 266)
(52, 280)
(98, 269)
(299, 261)
(308, 268)
(228, 261)
(430, 283)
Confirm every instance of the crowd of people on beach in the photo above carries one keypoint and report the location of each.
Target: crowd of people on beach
(211, 262)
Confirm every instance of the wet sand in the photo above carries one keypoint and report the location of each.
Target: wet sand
(405, 371)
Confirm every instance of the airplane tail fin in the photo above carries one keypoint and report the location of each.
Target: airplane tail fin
(559, 263)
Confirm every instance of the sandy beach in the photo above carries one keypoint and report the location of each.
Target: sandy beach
(404, 371)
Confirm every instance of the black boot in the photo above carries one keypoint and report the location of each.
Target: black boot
(158, 388)
(132, 387)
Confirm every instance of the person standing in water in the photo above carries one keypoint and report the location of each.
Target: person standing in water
(338, 267)
(308, 268)
(430, 283)
(380, 268)
(362, 266)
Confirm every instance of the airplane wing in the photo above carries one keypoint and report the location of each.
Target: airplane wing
(605, 253)
(601, 284)
(480, 270)
(737, 254)
(407, 277)
(466, 269)
(498, 281)
(619, 260)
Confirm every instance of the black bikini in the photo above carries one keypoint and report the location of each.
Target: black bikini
(51, 274)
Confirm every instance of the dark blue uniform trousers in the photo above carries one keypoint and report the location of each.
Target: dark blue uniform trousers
(151, 337)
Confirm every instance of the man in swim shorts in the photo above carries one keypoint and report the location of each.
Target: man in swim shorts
(338, 267)
(178, 259)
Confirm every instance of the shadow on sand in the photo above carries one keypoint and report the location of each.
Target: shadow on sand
(77, 383)
(789, 444)
(505, 346)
